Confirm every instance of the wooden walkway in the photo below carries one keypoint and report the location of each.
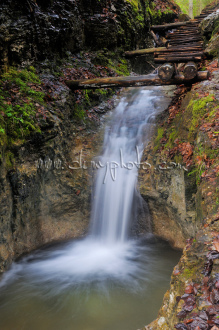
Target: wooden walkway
(184, 43)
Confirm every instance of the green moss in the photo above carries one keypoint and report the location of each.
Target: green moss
(172, 137)
(121, 68)
(157, 143)
(112, 61)
(197, 172)
(134, 3)
(9, 159)
(216, 27)
(199, 108)
(191, 271)
(20, 98)
(158, 16)
(86, 97)
(211, 153)
(79, 112)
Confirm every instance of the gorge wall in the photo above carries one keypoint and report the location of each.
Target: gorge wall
(184, 154)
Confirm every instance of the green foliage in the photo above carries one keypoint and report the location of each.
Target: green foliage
(20, 95)
(198, 6)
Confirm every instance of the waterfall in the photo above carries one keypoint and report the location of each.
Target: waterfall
(109, 251)
(114, 203)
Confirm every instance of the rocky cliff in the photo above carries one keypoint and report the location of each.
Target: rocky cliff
(184, 177)
(35, 30)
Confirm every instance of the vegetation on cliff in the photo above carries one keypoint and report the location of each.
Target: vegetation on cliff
(189, 136)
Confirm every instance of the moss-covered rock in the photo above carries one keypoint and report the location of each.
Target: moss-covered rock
(190, 132)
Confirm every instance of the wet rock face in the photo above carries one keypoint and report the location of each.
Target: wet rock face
(32, 30)
(172, 208)
(209, 28)
(193, 297)
(209, 23)
(46, 197)
(169, 193)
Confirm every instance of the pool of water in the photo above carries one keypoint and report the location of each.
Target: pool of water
(82, 286)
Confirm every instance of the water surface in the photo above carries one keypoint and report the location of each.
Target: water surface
(88, 289)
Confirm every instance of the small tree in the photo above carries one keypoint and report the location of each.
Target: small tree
(191, 8)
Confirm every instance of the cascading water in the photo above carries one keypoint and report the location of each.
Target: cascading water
(66, 286)
(115, 189)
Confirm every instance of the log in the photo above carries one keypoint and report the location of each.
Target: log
(137, 81)
(185, 37)
(156, 40)
(190, 23)
(145, 51)
(184, 40)
(181, 35)
(167, 26)
(179, 50)
(182, 53)
(184, 48)
(186, 44)
(166, 71)
(190, 70)
(179, 59)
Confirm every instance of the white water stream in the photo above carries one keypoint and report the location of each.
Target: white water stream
(108, 262)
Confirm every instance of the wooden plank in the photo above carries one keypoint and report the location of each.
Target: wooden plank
(185, 39)
(173, 59)
(186, 44)
(167, 26)
(184, 48)
(139, 52)
(180, 54)
(179, 49)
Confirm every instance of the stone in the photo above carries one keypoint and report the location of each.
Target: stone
(213, 46)
(209, 22)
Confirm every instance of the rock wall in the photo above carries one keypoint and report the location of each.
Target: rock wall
(188, 136)
(170, 206)
(169, 192)
(35, 30)
(45, 195)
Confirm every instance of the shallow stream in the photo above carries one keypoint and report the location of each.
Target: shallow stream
(54, 289)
